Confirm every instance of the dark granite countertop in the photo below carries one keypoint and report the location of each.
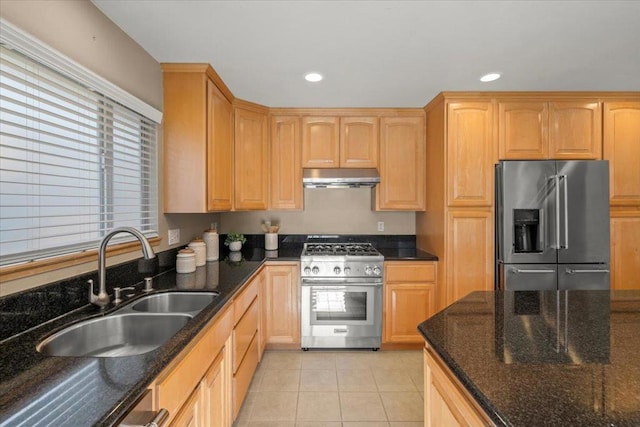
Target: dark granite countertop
(568, 358)
(85, 391)
(41, 390)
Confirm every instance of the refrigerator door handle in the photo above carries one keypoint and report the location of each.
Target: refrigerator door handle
(556, 179)
(522, 271)
(563, 179)
(576, 271)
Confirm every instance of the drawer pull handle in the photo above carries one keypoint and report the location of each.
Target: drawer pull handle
(159, 419)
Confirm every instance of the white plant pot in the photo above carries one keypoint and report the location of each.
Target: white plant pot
(235, 246)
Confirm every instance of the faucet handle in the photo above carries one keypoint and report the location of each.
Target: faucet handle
(117, 299)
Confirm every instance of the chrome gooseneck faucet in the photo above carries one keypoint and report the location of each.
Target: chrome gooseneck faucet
(102, 298)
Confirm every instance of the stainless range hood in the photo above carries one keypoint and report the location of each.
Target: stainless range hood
(340, 178)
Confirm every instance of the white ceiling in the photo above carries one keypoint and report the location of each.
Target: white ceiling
(391, 53)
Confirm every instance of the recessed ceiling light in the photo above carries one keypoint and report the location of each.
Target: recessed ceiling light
(313, 77)
(490, 77)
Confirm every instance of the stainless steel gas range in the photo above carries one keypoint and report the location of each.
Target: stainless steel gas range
(341, 295)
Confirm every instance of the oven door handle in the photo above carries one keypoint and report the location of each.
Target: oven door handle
(341, 282)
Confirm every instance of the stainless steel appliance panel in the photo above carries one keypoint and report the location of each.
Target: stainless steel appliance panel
(527, 186)
(528, 277)
(583, 277)
(584, 211)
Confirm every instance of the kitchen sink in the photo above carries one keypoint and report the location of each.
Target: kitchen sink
(116, 335)
(175, 302)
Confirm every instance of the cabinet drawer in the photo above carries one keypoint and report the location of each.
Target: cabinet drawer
(243, 334)
(406, 271)
(242, 378)
(181, 380)
(244, 300)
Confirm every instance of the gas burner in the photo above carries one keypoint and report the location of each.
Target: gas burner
(333, 249)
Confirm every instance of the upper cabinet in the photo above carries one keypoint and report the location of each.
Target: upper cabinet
(198, 140)
(251, 158)
(470, 153)
(286, 167)
(402, 164)
(332, 142)
(535, 129)
(622, 149)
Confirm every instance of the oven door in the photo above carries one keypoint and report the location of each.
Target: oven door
(338, 312)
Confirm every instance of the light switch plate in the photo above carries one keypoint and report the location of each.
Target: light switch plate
(174, 236)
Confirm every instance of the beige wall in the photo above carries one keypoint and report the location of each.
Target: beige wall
(326, 211)
(80, 31)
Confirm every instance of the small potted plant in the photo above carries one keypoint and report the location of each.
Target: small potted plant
(235, 241)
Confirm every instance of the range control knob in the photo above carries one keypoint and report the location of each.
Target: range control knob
(368, 270)
(347, 270)
(315, 270)
(307, 270)
(376, 270)
(337, 270)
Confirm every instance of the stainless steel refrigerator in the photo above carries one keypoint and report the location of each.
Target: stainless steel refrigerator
(552, 224)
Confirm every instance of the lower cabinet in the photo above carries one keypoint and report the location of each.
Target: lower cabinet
(446, 401)
(281, 305)
(409, 299)
(625, 249)
(185, 388)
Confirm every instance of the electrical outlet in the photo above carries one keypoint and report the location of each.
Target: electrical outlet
(380, 225)
(174, 236)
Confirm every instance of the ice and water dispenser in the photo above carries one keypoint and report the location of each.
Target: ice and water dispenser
(526, 230)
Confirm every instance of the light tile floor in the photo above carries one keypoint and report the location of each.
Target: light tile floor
(335, 389)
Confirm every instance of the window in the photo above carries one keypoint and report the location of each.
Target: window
(74, 163)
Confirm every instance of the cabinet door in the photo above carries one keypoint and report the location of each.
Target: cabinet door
(359, 142)
(251, 160)
(575, 130)
(469, 253)
(219, 150)
(446, 401)
(286, 163)
(622, 149)
(470, 161)
(625, 250)
(283, 304)
(402, 164)
(320, 142)
(190, 413)
(522, 130)
(406, 305)
(213, 395)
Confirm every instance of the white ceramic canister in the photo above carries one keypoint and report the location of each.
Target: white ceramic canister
(271, 241)
(200, 248)
(212, 241)
(186, 261)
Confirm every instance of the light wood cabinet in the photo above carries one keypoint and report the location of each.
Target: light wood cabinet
(282, 305)
(409, 299)
(470, 154)
(534, 129)
(214, 395)
(625, 249)
(320, 142)
(251, 159)
(346, 142)
(446, 401)
(469, 254)
(402, 164)
(358, 142)
(286, 163)
(177, 389)
(245, 341)
(622, 149)
(197, 140)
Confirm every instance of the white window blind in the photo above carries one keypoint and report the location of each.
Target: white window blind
(74, 164)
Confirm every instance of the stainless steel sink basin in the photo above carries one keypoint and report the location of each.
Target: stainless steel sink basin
(116, 335)
(175, 302)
